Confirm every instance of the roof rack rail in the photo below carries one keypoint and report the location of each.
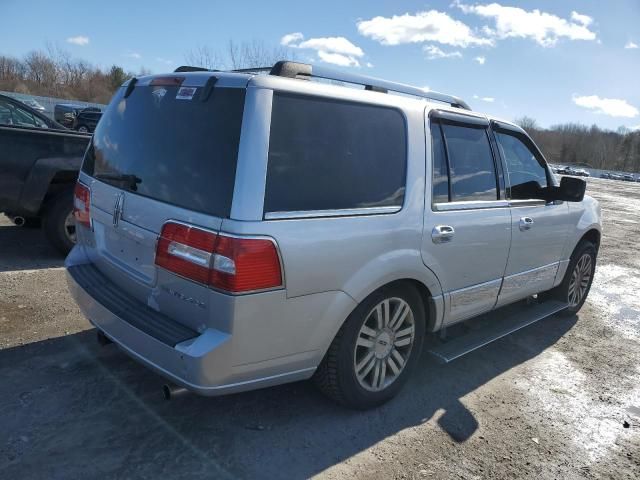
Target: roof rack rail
(189, 68)
(251, 70)
(301, 70)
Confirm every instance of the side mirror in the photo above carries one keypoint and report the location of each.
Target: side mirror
(571, 189)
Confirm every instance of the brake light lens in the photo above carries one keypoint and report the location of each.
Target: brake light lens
(81, 204)
(235, 265)
(167, 81)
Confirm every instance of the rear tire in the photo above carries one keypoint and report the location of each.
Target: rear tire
(577, 280)
(375, 350)
(83, 129)
(58, 223)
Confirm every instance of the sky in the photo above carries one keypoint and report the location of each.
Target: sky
(553, 60)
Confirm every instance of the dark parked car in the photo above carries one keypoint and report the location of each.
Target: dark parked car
(87, 120)
(628, 177)
(39, 164)
(66, 113)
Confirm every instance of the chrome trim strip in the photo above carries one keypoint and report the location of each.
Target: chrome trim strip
(528, 280)
(533, 202)
(474, 294)
(472, 205)
(347, 212)
(531, 270)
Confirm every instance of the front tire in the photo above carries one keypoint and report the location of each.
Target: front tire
(58, 222)
(373, 354)
(577, 280)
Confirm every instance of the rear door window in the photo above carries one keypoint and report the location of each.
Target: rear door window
(334, 155)
(182, 152)
(471, 167)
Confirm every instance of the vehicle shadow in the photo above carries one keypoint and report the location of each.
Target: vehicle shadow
(24, 248)
(74, 409)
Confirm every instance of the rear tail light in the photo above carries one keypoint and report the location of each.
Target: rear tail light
(81, 204)
(236, 265)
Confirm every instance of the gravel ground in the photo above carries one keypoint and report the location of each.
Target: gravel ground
(559, 399)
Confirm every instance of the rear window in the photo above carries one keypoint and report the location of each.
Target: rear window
(334, 155)
(179, 151)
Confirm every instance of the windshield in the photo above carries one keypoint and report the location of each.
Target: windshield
(176, 150)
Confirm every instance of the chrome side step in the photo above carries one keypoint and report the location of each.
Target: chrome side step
(494, 326)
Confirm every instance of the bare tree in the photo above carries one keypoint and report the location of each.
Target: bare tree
(527, 123)
(238, 55)
(205, 57)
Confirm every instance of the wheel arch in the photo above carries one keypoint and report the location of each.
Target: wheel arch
(593, 235)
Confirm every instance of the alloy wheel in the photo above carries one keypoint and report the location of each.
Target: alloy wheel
(580, 280)
(384, 344)
(70, 227)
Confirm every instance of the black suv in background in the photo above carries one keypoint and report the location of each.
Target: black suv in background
(87, 120)
(66, 113)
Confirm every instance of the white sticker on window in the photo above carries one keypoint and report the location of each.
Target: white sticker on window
(186, 93)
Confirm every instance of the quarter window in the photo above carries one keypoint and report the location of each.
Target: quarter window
(333, 155)
(526, 170)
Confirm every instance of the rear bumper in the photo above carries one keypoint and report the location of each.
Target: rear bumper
(200, 362)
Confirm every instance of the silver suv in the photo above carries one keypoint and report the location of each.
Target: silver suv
(238, 230)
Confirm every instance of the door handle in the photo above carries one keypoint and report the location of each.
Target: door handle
(526, 223)
(442, 233)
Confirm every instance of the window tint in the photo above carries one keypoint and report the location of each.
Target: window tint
(12, 115)
(440, 177)
(471, 166)
(527, 173)
(326, 155)
(176, 151)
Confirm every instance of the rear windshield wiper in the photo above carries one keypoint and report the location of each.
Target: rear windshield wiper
(128, 181)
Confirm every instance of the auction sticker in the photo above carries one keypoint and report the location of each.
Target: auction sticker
(186, 93)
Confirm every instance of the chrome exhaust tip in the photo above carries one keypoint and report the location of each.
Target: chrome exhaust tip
(19, 221)
(171, 391)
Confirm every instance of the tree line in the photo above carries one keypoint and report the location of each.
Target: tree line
(576, 144)
(53, 72)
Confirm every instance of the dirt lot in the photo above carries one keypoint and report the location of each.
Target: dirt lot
(560, 399)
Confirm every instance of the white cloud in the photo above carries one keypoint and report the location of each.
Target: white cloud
(338, 59)
(79, 40)
(134, 55)
(428, 26)
(290, 38)
(485, 99)
(480, 60)
(583, 19)
(333, 44)
(334, 50)
(434, 52)
(631, 45)
(164, 60)
(544, 28)
(613, 107)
